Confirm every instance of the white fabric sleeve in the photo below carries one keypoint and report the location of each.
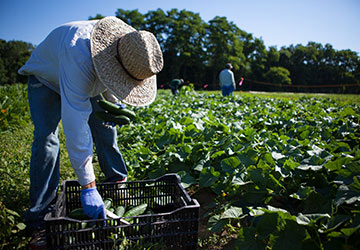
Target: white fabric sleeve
(233, 80)
(75, 111)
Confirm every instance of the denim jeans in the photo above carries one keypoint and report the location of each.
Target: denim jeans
(227, 90)
(45, 109)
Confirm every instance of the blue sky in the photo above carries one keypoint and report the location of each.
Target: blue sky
(278, 22)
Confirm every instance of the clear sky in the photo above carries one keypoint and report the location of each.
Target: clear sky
(277, 22)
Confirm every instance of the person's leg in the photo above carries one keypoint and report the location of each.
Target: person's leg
(228, 90)
(105, 139)
(231, 90)
(44, 163)
(173, 90)
(225, 90)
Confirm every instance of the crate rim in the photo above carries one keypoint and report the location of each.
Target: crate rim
(195, 205)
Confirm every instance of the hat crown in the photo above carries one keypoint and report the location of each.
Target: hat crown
(140, 54)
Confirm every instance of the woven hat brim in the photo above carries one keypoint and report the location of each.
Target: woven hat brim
(103, 41)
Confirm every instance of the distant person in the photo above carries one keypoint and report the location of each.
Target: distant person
(227, 81)
(67, 72)
(175, 85)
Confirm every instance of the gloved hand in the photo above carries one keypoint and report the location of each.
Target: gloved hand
(92, 203)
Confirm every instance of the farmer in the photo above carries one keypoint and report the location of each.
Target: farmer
(227, 81)
(67, 72)
(175, 85)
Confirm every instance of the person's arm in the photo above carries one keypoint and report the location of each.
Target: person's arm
(233, 80)
(220, 79)
(75, 111)
(89, 185)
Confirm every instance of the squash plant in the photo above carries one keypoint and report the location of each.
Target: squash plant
(286, 173)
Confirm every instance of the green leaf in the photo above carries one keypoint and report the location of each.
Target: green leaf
(302, 193)
(216, 224)
(249, 158)
(346, 195)
(335, 222)
(267, 224)
(310, 219)
(228, 165)
(186, 179)
(12, 212)
(21, 226)
(336, 164)
(355, 186)
(208, 177)
(277, 156)
(238, 179)
(290, 237)
(269, 159)
(247, 240)
(310, 167)
(347, 112)
(349, 231)
(232, 213)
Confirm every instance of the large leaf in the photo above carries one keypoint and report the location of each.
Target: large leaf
(216, 224)
(290, 237)
(247, 240)
(228, 165)
(267, 224)
(346, 195)
(232, 213)
(208, 177)
(186, 179)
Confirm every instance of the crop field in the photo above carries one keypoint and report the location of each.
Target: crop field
(270, 170)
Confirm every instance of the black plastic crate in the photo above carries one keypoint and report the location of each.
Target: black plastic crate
(172, 225)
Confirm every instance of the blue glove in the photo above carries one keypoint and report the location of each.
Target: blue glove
(92, 203)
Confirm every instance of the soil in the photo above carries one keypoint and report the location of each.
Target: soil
(205, 197)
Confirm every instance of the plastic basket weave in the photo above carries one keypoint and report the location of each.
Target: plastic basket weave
(172, 225)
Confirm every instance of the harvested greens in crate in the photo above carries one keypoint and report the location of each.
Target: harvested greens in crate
(170, 221)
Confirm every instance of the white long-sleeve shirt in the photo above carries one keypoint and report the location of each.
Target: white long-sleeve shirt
(63, 63)
(226, 78)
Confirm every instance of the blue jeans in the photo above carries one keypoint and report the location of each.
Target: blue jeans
(45, 109)
(227, 90)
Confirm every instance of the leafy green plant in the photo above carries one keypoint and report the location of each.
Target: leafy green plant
(10, 227)
(294, 162)
(282, 170)
(14, 108)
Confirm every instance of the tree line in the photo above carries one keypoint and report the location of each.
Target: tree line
(197, 51)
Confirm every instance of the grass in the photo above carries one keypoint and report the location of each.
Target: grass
(342, 98)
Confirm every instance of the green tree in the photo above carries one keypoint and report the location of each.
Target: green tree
(256, 56)
(13, 55)
(98, 16)
(278, 75)
(132, 17)
(183, 53)
(197, 51)
(224, 44)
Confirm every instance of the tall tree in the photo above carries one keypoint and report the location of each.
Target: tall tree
(132, 17)
(224, 44)
(197, 51)
(183, 51)
(13, 55)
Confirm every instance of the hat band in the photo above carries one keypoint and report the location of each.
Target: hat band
(117, 56)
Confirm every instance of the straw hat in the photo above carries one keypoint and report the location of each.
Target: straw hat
(126, 60)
